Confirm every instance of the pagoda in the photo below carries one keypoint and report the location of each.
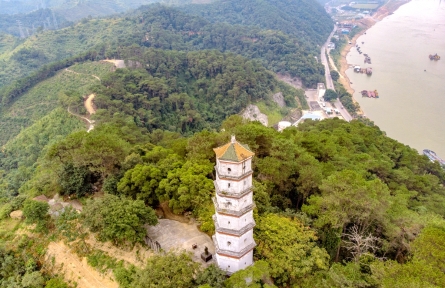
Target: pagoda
(233, 217)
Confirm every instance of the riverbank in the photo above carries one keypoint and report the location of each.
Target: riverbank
(390, 7)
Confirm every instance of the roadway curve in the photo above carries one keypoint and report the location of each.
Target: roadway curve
(329, 83)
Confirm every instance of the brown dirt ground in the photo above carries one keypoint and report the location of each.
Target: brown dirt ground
(76, 269)
(136, 256)
(89, 104)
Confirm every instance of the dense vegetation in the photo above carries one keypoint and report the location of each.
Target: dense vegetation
(66, 88)
(325, 189)
(186, 92)
(31, 23)
(337, 204)
(166, 28)
(310, 25)
(75, 10)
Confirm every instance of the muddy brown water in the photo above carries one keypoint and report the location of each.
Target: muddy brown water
(411, 107)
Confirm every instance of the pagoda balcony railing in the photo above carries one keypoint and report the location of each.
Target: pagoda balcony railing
(237, 254)
(232, 177)
(237, 213)
(232, 231)
(237, 195)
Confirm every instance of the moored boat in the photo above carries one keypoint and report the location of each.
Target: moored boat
(433, 156)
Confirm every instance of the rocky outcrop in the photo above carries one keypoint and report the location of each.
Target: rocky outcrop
(279, 99)
(253, 113)
(18, 214)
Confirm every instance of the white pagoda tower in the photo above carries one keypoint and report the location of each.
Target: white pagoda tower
(233, 207)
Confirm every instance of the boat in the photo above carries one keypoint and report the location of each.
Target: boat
(433, 156)
(434, 57)
(370, 94)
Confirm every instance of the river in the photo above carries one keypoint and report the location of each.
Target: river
(411, 107)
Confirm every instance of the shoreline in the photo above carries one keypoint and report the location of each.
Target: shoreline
(366, 23)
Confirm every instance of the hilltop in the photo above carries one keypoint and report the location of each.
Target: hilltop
(337, 204)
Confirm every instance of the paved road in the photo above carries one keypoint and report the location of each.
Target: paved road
(329, 83)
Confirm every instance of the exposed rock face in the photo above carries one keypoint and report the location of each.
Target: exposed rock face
(133, 64)
(18, 214)
(253, 113)
(279, 99)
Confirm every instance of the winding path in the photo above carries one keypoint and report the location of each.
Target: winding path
(90, 122)
(88, 103)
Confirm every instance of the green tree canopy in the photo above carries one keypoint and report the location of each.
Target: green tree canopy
(289, 247)
(166, 271)
(35, 211)
(118, 219)
(330, 95)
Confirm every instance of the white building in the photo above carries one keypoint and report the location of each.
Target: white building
(283, 125)
(321, 89)
(233, 207)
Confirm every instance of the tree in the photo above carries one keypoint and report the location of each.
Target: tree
(213, 276)
(253, 277)
(75, 180)
(348, 198)
(334, 74)
(289, 248)
(165, 271)
(358, 243)
(141, 182)
(188, 188)
(33, 280)
(118, 219)
(35, 211)
(429, 246)
(412, 274)
(330, 95)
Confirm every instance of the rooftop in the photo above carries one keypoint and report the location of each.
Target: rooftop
(233, 151)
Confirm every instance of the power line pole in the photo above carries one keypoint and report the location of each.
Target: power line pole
(56, 26)
(49, 22)
(22, 35)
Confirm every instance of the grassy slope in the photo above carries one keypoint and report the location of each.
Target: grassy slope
(62, 44)
(43, 98)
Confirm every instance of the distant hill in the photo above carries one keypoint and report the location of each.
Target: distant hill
(31, 23)
(305, 19)
(77, 9)
(165, 28)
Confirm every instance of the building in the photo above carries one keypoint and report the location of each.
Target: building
(283, 125)
(233, 207)
(321, 89)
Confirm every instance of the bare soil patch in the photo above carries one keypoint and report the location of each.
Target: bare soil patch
(292, 81)
(136, 255)
(89, 104)
(76, 269)
(117, 63)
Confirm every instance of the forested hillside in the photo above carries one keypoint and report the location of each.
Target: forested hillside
(304, 19)
(78, 9)
(31, 23)
(164, 28)
(338, 204)
(66, 88)
(187, 92)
